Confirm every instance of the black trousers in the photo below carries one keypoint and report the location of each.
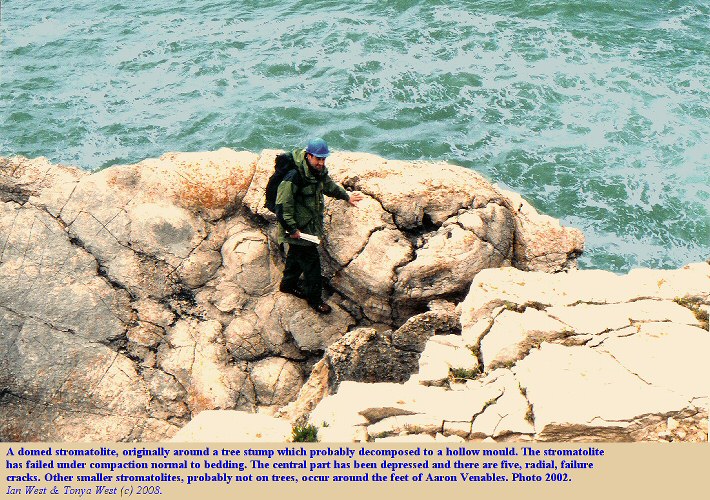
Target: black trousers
(304, 260)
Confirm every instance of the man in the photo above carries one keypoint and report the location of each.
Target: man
(299, 209)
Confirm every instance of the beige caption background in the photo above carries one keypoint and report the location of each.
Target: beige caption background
(639, 470)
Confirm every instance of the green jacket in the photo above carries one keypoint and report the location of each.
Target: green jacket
(300, 203)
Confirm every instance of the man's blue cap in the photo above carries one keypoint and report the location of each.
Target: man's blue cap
(318, 148)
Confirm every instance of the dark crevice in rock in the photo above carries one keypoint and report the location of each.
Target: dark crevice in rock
(521, 308)
(571, 257)
(102, 272)
(255, 220)
(397, 319)
(350, 306)
(476, 349)
(428, 225)
(529, 414)
(15, 194)
(120, 345)
(596, 337)
(488, 403)
(698, 307)
(289, 340)
(183, 304)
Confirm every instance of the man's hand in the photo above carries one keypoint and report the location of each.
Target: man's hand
(296, 235)
(355, 198)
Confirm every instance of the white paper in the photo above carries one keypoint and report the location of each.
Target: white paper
(311, 238)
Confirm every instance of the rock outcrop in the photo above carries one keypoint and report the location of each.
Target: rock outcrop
(135, 298)
(576, 356)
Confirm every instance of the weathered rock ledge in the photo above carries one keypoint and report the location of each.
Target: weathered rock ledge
(134, 299)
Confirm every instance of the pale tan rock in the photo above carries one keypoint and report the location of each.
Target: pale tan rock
(163, 386)
(195, 355)
(542, 244)
(460, 429)
(142, 276)
(274, 313)
(342, 433)
(577, 393)
(665, 355)
(199, 267)
(348, 229)
(311, 332)
(509, 413)
(107, 211)
(146, 334)
(407, 438)
(493, 288)
(43, 275)
(238, 379)
(233, 427)
(443, 438)
(416, 331)
(248, 263)
(206, 183)
(410, 190)
(442, 354)
(468, 225)
(410, 424)
(281, 324)
(58, 368)
(689, 281)
(154, 312)
(401, 408)
(129, 258)
(73, 428)
(96, 212)
(38, 182)
(167, 395)
(227, 297)
(369, 279)
(245, 341)
(311, 393)
(513, 334)
(446, 264)
(476, 330)
(596, 318)
(597, 340)
(164, 230)
(458, 406)
(345, 407)
(255, 195)
(276, 381)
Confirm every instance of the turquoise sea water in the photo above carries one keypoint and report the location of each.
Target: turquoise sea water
(598, 112)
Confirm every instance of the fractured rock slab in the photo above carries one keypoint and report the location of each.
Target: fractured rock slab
(513, 335)
(233, 427)
(366, 355)
(581, 394)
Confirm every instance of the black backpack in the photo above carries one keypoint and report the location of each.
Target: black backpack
(283, 165)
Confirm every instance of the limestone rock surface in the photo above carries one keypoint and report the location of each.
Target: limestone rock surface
(136, 298)
(577, 356)
(229, 426)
